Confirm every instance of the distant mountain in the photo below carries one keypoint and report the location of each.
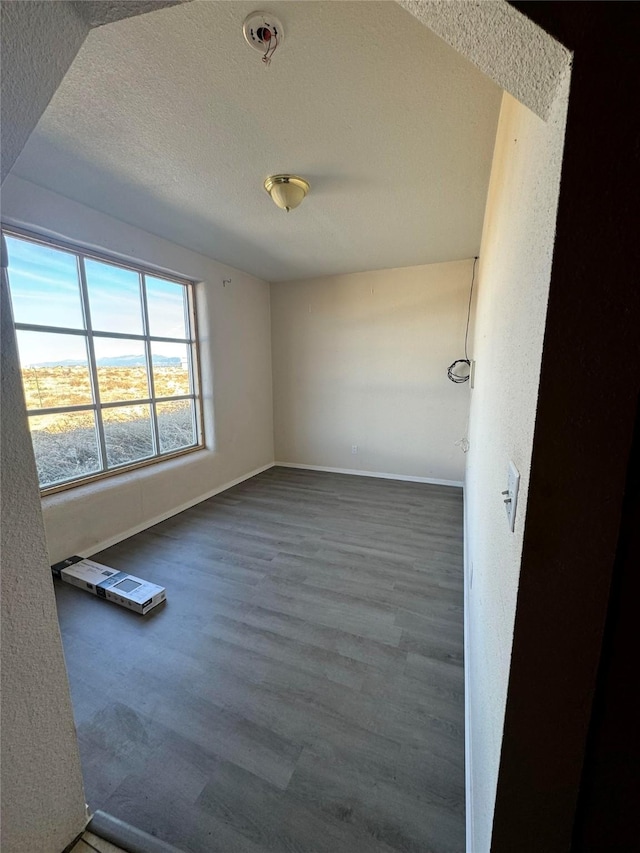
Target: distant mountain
(115, 361)
(65, 362)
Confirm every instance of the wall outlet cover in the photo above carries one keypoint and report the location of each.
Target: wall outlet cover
(511, 495)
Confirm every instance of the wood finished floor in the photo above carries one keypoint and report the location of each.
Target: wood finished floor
(302, 688)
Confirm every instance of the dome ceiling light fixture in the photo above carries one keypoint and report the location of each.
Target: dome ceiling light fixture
(287, 191)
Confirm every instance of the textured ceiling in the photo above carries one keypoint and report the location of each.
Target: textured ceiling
(96, 13)
(170, 122)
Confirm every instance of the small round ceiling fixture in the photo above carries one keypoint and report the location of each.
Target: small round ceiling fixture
(286, 191)
(262, 31)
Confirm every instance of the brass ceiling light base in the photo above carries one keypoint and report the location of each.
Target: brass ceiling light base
(287, 191)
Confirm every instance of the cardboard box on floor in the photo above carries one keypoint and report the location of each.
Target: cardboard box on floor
(120, 587)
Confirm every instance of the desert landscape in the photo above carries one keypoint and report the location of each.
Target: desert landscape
(65, 444)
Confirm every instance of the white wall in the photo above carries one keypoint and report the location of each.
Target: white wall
(234, 327)
(41, 786)
(39, 42)
(362, 359)
(503, 43)
(508, 329)
(42, 796)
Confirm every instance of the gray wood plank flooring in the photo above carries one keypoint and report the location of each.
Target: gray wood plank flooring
(302, 688)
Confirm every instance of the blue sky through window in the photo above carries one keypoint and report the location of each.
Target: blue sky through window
(44, 285)
(114, 298)
(45, 290)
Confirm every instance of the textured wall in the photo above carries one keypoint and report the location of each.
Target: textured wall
(42, 796)
(504, 44)
(362, 359)
(39, 42)
(587, 408)
(234, 327)
(513, 284)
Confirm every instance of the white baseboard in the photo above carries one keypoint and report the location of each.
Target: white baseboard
(145, 525)
(468, 747)
(406, 477)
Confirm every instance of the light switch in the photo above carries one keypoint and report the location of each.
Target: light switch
(510, 495)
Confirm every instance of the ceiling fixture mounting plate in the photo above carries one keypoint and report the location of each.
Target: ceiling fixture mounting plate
(262, 31)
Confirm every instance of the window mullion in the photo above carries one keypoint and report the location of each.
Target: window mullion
(58, 330)
(93, 366)
(60, 410)
(152, 390)
(194, 366)
(177, 428)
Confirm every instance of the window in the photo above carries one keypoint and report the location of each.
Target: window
(109, 361)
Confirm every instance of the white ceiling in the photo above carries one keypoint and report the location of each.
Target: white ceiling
(170, 122)
(97, 13)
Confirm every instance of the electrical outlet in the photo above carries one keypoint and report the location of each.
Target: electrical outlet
(354, 448)
(510, 494)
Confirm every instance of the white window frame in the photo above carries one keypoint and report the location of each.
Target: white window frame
(97, 406)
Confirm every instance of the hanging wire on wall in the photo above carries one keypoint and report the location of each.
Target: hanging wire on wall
(453, 369)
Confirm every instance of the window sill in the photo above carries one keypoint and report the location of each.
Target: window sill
(154, 463)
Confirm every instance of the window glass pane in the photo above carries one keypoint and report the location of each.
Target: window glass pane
(166, 307)
(44, 283)
(170, 369)
(65, 446)
(47, 290)
(114, 298)
(175, 425)
(55, 369)
(127, 434)
(122, 369)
